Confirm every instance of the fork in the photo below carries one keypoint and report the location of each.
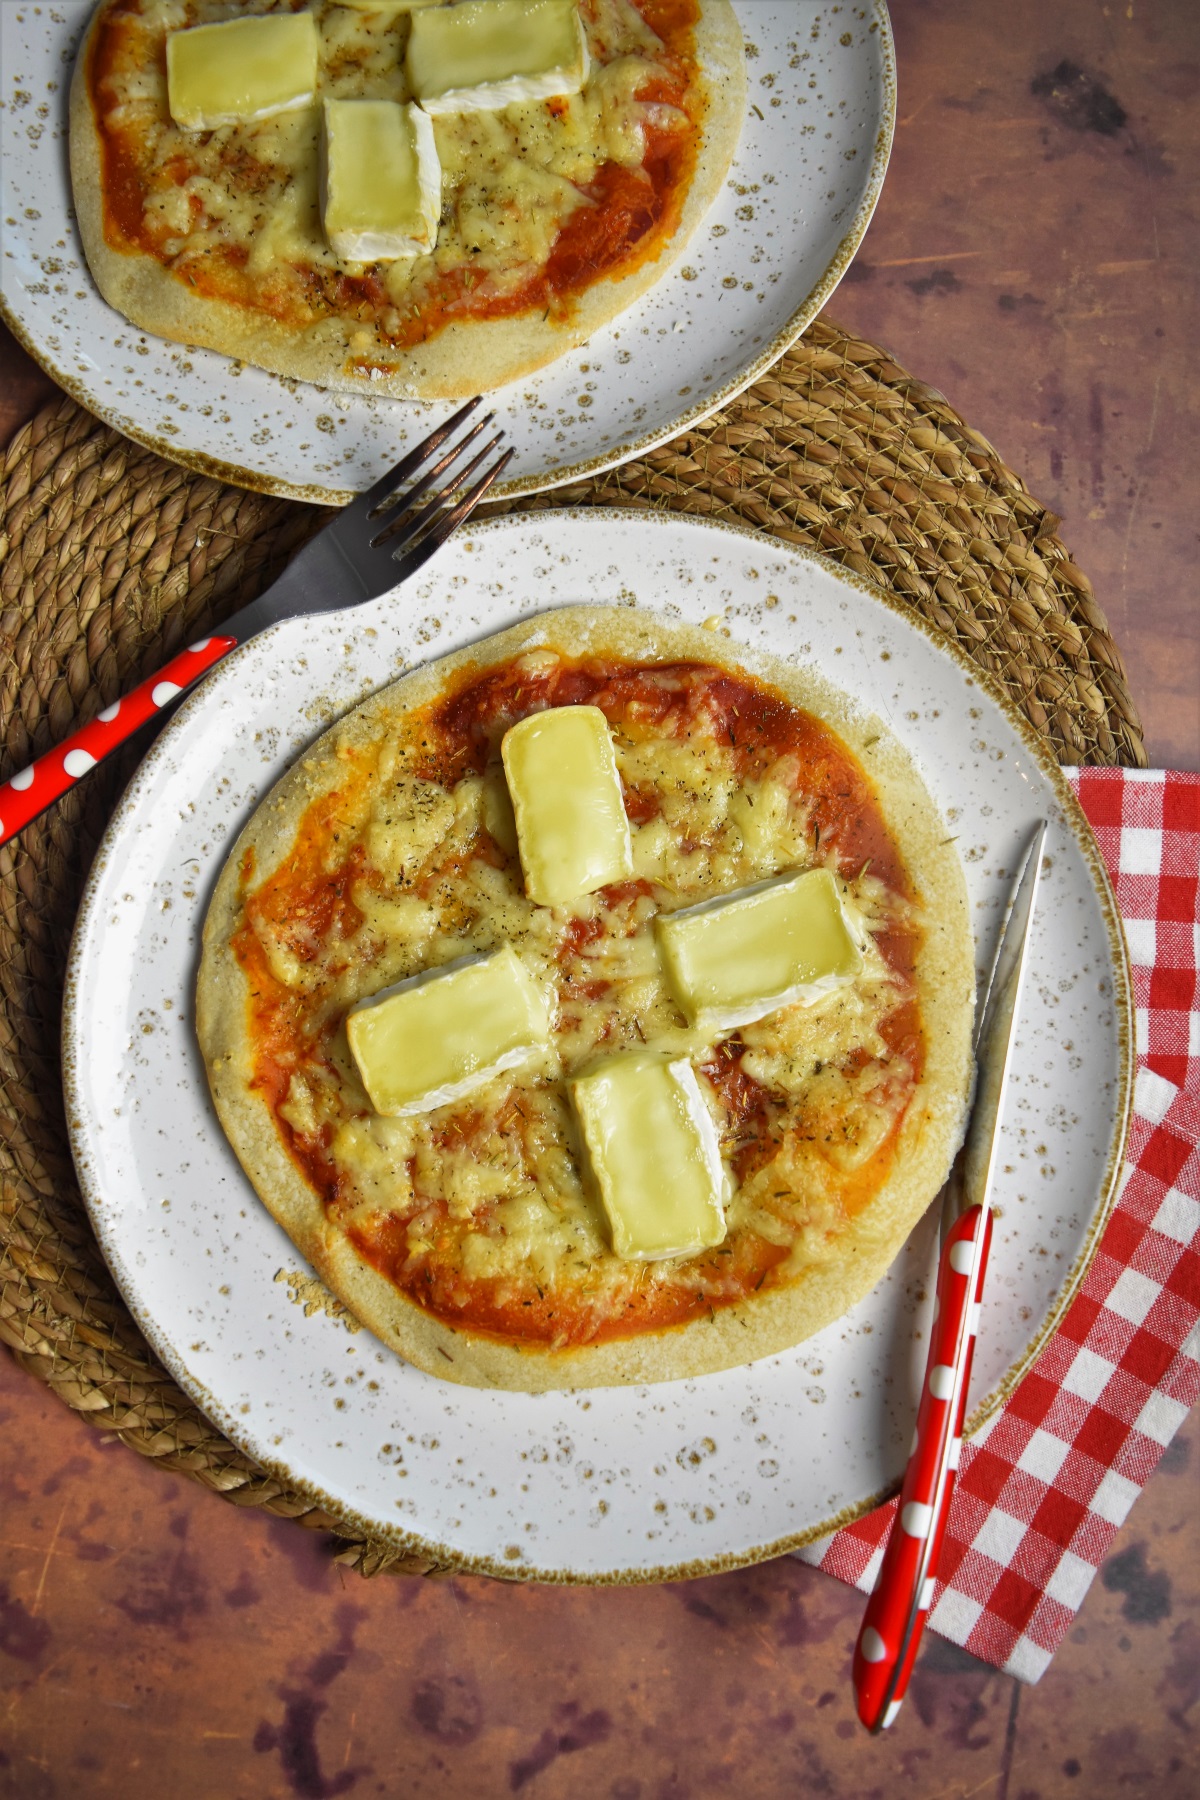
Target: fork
(374, 544)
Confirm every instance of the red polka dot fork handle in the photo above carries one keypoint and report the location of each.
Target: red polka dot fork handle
(33, 789)
(896, 1612)
(375, 543)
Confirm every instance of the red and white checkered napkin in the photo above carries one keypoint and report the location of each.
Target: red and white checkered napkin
(1044, 1486)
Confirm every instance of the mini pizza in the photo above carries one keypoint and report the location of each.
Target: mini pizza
(412, 199)
(594, 1005)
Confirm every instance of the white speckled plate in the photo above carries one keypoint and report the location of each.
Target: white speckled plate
(617, 1483)
(762, 264)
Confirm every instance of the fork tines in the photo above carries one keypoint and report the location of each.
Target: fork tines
(422, 505)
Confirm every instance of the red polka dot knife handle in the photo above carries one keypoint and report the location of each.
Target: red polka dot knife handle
(903, 1597)
(33, 789)
(904, 1590)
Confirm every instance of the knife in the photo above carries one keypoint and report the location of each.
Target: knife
(903, 1596)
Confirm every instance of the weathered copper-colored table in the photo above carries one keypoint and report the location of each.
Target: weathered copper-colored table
(1035, 256)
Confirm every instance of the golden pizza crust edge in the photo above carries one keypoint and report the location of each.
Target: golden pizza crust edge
(759, 1326)
(461, 359)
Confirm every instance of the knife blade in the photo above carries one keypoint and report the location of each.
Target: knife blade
(903, 1596)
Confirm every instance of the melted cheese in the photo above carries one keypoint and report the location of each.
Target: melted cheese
(408, 821)
(736, 957)
(439, 1035)
(246, 68)
(480, 55)
(792, 1202)
(562, 776)
(713, 830)
(381, 184)
(376, 1156)
(653, 1154)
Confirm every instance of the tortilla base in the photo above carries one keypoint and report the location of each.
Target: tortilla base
(765, 1323)
(464, 358)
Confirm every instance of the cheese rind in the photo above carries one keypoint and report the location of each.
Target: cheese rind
(572, 829)
(247, 68)
(435, 1037)
(481, 55)
(734, 959)
(381, 182)
(653, 1154)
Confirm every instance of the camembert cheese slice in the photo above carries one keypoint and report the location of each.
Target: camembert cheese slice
(435, 1037)
(481, 55)
(734, 959)
(653, 1153)
(572, 829)
(381, 182)
(247, 68)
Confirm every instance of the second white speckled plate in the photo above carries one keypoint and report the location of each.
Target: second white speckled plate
(617, 1483)
(761, 265)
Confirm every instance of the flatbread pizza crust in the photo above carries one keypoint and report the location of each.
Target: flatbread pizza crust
(766, 1322)
(464, 357)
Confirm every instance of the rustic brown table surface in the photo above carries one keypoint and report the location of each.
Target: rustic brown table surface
(1036, 256)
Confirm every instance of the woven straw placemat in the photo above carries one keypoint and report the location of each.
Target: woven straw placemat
(111, 557)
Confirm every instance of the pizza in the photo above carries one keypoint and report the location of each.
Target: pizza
(467, 1230)
(552, 216)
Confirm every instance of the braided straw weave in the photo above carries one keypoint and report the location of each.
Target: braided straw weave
(111, 557)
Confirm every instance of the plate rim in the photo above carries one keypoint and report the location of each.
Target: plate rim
(314, 494)
(445, 1555)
